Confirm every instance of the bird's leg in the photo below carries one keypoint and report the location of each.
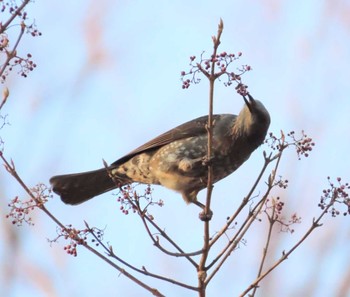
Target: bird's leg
(207, 161)
(202, 215)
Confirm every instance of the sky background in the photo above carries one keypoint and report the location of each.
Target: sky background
(108, 80)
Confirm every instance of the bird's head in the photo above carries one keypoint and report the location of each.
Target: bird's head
(254, 119)
(256, 109)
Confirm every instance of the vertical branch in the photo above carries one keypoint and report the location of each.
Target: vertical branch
(267, 245)
(315, 224)
(268, 160)
(253, 213)
(212, 78)
(11, 54)
(207, 212)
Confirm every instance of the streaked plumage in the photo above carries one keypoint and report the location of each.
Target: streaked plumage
(175, 159)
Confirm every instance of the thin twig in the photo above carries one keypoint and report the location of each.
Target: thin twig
(154, 291)
(181, 253)
(268, 160)
(253, 213)
(12, 170)
(13, 16)
(267, 245)
(110, 252)
(11, 54)
(202, 263)
(146, 220)
(234, 242)
(315, 224)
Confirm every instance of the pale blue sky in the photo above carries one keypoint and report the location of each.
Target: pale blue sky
(108, 80)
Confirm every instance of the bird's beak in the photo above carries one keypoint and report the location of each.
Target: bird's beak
(250, 102)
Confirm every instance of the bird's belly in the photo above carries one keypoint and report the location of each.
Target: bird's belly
(137, 169)
(175, 181)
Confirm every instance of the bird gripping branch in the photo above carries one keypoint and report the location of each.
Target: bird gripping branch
(175, 159)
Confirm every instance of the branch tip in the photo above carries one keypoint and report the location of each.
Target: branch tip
(5, 94)
(221, 25)
(86, 225)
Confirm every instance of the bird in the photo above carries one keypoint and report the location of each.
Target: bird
(176, 158)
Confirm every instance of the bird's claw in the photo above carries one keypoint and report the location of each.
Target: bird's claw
(207, 161)
(205, 216)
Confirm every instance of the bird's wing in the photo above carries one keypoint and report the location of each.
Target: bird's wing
(189, 129)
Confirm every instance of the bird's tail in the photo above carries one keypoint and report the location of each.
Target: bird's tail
(80, 187)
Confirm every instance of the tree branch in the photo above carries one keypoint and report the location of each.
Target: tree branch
(207, 212)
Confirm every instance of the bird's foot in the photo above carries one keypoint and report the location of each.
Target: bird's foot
(205, 216)
(207, 161)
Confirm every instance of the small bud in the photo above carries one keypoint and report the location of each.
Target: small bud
(5, 94)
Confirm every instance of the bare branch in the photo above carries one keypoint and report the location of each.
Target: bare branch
(315, 224)
(267, 244)
(144, 271)
(13, 16)
(207, 212)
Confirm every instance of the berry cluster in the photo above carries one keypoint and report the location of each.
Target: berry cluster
(78, 237)
(131, 200)
(12, 8)
(335, 195)
(126, 199)
(33, 30)
(25, 65)
(20, 210)
(303, 145)
(98, 235)
(8, 49)
(282, 183)
(241, 89)
(274, 142)
(275, 205)
(273, 210)
(221, 60)
(207, 66)
(279, 206)
(75, 237)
